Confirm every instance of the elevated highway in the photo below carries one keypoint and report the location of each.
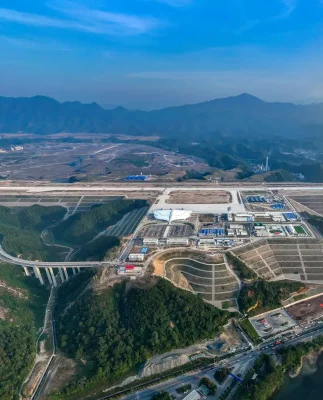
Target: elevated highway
(49, 267)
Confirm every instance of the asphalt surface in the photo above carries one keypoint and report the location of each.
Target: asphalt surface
(68, 264)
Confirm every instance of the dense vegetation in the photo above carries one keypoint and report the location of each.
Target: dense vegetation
(280, 176)
(193, 174)
(221, 375)
(22, 315)
(266, 295)
(209, 384)
(292, 355)
(97, 249)
(118, 329)
(81, 228)
(242, 270)
(270, 377)
(316, 221)
(20, 230)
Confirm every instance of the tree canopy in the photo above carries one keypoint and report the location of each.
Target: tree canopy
(120, 328)
(266, 295)
(82, 227)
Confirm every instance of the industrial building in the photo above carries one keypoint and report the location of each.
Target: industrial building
(290, 216)
(177, 241)
(136, 257)
(206, 242)
(135, 178)
(244, 217)
(172, 215)
(212, 231)
(149, 241)
(129, 270)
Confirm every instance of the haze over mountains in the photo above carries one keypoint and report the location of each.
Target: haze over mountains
(241, 115)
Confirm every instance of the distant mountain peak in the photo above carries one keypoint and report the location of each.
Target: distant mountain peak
(237, 116)
(247, 97)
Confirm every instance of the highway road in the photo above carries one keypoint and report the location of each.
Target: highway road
(42, 264)
(237, 362)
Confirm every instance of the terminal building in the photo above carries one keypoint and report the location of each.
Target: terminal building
(172, 215)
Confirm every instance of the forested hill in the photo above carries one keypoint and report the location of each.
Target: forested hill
(20, 231)
(22, 306)
(117, 329)
(83, 227)
(241, 115)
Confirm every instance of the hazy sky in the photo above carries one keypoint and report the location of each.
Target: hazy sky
(156, 53)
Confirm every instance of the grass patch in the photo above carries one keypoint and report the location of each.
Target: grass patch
(250, 330)
(299, 230)
(134, 159)
(300, 297)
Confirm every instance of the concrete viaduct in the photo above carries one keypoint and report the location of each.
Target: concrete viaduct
(62, 267)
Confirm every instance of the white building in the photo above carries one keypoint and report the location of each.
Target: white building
(136, 257)
(151, 241)
(172, 215)
(177, 241)
(17, 148)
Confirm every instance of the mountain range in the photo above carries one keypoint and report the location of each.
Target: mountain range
(239, 116)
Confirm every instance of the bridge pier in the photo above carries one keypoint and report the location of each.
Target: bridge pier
(53, 276)
(27, 273)
(61, 274)
(79, 269)
(65, 272)
(38, 274)
(74, 271)
(48, 276)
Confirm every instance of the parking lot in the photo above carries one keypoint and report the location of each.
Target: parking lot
(180, 231)
(272, 322)
(128, 224)
(154, 231)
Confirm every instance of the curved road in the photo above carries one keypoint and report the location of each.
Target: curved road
(46, 264)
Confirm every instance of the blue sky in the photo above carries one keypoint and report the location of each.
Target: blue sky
(156, 53)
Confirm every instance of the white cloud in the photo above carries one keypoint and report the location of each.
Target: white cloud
(289, 7)
(33, 44)
(77, 17)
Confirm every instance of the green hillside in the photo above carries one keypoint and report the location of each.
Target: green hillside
(81, 228)
(20, 230)
(22, 308)
(97, 249)
(116, 330)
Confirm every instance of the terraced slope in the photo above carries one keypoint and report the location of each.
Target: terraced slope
(296, 259)
(212, 281)
(260, 258)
